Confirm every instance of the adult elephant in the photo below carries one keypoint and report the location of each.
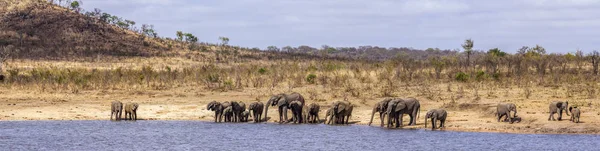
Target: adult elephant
(282, 101)
(558, 107)
(131, 111)
(342, 110)
(256, 108)
(397, 107)
(504, 109)
(313, 113)
(435, 115)
(380, 107)
(116, 108)
(238, 108)
(217, 108)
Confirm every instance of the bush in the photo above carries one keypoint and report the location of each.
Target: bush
(310, 78)
(262, 70)
(462, 77)
(480, 75)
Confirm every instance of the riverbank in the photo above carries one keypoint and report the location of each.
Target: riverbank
(189, 103)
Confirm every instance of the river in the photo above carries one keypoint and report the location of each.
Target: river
(197, 135)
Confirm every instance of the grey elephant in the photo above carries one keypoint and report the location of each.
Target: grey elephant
(228, 114)
(313, 113)
(116, 108)
(342, 111)
(282, 101)
(296, 107)
(558, 107)
(245, 115)
(397, 107)
(131, 111)
(256, 108)
(504, 109)
(238, 108)
(328, 114)
(380, 107)
(575, 114)
(218, 108)
(305, 115)
(435, 115)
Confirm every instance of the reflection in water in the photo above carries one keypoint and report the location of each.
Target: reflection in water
(195, 135)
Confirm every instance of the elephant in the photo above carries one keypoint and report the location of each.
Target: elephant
(435, 115)
(228, 113)
(558, 107)
(575, 114)
(313, 113)
(504, 109)
(328, 114)
(342, 110)
(245, 115)
(116, 108)
(218, 108)
(296, 107)
(381, 108)
(238, 108)
(282, 100)
(131, 110)
(256, 108)
(305, 115)
(397, 107)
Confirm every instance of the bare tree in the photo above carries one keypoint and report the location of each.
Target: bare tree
(594, 59)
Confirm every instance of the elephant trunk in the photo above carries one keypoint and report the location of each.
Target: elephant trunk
(372, 114)
(267, 109)
(425, 122)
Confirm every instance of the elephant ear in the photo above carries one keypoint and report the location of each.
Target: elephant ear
(341, 107)
(281, 101)
(400, 106)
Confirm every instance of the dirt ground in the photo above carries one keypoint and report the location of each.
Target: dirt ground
(189, 103)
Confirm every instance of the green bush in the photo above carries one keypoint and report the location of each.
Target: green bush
(262, 70)
(480, 75)
(310, 78)
(462, 77)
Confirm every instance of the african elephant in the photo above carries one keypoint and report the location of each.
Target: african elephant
(558, 107)
(328, 114)
(575, 114)
(435, 115)
(218, 108)
(381, 108)
(245, 115)
(256, 108)
(228, 113)
(238, 108)
(397, 107)
(296, 107)
(116, 108)
(305, 115)
(504, 109)
(342, 110)
(131, 111)
(313, 113)
(282, 101)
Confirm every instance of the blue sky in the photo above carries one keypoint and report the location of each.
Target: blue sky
(557, 25)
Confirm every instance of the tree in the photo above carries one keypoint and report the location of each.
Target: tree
(75, 5)
(148, 30)
(493, 59)
(190, 38)
(272, 48)
(594, 58)
(224, 40)
(468, 46)
(179, 36)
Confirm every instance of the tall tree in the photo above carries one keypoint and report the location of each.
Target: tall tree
(224, 40)
(468, 46)
(594, 59)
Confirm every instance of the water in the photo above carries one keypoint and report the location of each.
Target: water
(196, 135)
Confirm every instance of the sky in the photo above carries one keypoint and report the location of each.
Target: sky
(557, 25)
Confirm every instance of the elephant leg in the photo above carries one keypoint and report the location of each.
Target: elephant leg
(285, 114)
(280, 115)
(559, 114)
(411, 119)
(550, 117)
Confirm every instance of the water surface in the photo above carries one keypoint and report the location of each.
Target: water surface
(196, 135)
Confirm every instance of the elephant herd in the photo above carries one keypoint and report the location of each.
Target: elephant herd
(341, 111)
(116, 109)
(556, 107)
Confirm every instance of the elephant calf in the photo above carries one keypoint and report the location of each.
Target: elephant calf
(245, 115)
(116, 108)
(131, 111)
(435, 115)
(257, 109)
(575, 113)
(228, 113)
(558, 107)
(313, 113)
(296, 107)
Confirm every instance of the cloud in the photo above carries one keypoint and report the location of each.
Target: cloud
(558, 25)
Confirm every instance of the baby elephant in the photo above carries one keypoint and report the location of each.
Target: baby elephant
(131, 111)
(245, 115)
(575, 113)
(228, 113)
(436, 114)
(313, 113)
(116, 108)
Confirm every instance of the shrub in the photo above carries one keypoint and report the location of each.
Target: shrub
(462, 77)
(262, 70)
(310, 78)
(480, 76)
